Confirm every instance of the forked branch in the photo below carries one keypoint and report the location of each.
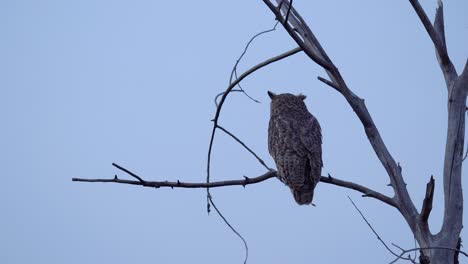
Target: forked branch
(437, 35)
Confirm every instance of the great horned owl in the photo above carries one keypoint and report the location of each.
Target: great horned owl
(295, 143)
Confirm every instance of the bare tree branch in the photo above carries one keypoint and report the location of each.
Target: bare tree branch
(232, 228)
(234, 69)
(246, 147)
(412, 260)
(437, 34)
(246, 181)
(329, 83)
(364, 190)
(178, 184)
(241, 90)
(320, 61)
(427, 203)
(128, 172)
(376, 234)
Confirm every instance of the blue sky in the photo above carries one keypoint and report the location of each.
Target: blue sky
(88, 83)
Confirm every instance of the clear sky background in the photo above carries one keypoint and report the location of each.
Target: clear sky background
(87, 83)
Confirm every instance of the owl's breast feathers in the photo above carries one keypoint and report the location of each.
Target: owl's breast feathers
(295, 143)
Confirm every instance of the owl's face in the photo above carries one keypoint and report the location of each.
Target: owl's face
(284, 103)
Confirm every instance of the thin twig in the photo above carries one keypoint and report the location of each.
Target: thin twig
(397, 246)
(245, 146)
(247, 47)
(232, 228)
(409, 255)
(233, 90)
(234, 69)
(128, 172)
(375, 232)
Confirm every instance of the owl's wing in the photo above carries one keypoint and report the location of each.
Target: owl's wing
(277, 137)
(281, 138)
(311, 137)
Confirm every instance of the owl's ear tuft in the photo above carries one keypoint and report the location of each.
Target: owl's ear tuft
(272, 95)
(302, 97)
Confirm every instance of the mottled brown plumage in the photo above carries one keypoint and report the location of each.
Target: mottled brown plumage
(295, 143)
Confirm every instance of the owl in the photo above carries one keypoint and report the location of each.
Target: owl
(295, 143)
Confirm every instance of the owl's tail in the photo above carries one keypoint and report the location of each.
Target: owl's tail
(304, 194)
(303, 190)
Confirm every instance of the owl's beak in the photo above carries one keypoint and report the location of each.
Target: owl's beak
(271, 94)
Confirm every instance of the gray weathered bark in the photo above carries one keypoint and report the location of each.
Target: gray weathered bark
(440, 247)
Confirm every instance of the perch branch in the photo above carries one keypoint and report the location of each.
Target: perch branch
(179, 184)
(246, 181)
